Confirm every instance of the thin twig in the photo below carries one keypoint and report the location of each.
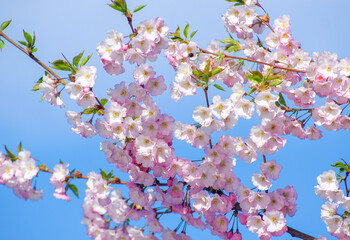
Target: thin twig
(32, 57)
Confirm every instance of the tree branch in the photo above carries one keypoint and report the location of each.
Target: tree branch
(32, 57)
(295, 233)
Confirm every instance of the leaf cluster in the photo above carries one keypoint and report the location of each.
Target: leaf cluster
(29, 43)
(232, 45)
(65, 65)
(121, 6)
(3, 26)
(176, 36)
(237, 2)
(263, 82)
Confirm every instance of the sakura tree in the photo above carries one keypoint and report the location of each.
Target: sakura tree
(163, 164)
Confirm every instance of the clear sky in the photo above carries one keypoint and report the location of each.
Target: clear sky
(70, 27)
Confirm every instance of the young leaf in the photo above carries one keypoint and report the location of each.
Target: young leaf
(116, 7)
(275, 83)
(339, 164)
(100, 112)
(274, 77)
(103, 101)
(186, 30)
(5, 25)
(192, 34)
(28, 37)
(139, 8)
(176, 34)
(216, 71)
(228, 40)
(219, 87)
(85, 60)
(2, 44)
(251, 91)
(77, 58)
(74, 189)
(10, 155)
(19, 147)
(104, 174)
(206, 68)
(255, 77)
(61, 65)
(281, 100)
(89, 111)
(110, 174)
(23, 43)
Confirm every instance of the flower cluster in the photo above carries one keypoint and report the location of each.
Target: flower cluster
(138, 137)
(338, 224)
(49, 88)
(18, 172)
(58, 178)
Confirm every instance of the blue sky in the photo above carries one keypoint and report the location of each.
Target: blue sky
(70, 27)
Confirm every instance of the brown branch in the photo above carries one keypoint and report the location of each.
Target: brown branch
(265, 22)
(32, 57)
(256, 61)
(295, 233)
(208, 105)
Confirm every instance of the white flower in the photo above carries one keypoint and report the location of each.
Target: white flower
(86, 76)
(115, 113)
(261, 182)
(274, 220)
(203, 115)
(328, 181)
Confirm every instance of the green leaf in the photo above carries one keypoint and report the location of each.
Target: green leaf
(197, 73)
(207, 68)
(89, 111)
(232, 48)
(139, 8)
(104, 101)
(36, 87)
(2, 44)
(176, 35)
(205, 79)
(116, 7)
(251, 91)
(100, 112)
(339, 164)
(34, 38)
(228, 40)
(77, 58)
(241, 2)
(28, 37)
(219, 87)
(10, 155)
(273, 77)
(110, 174)
(4, 25)
(192, 34)
(61, 65)
(275, 83)
(19, 147)
(74, 189)
(119, 5)
(255, 77)
(216, 71)
(186, 30)
(104, 174)
(85, 60)
(281, 100)
(23, 43)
